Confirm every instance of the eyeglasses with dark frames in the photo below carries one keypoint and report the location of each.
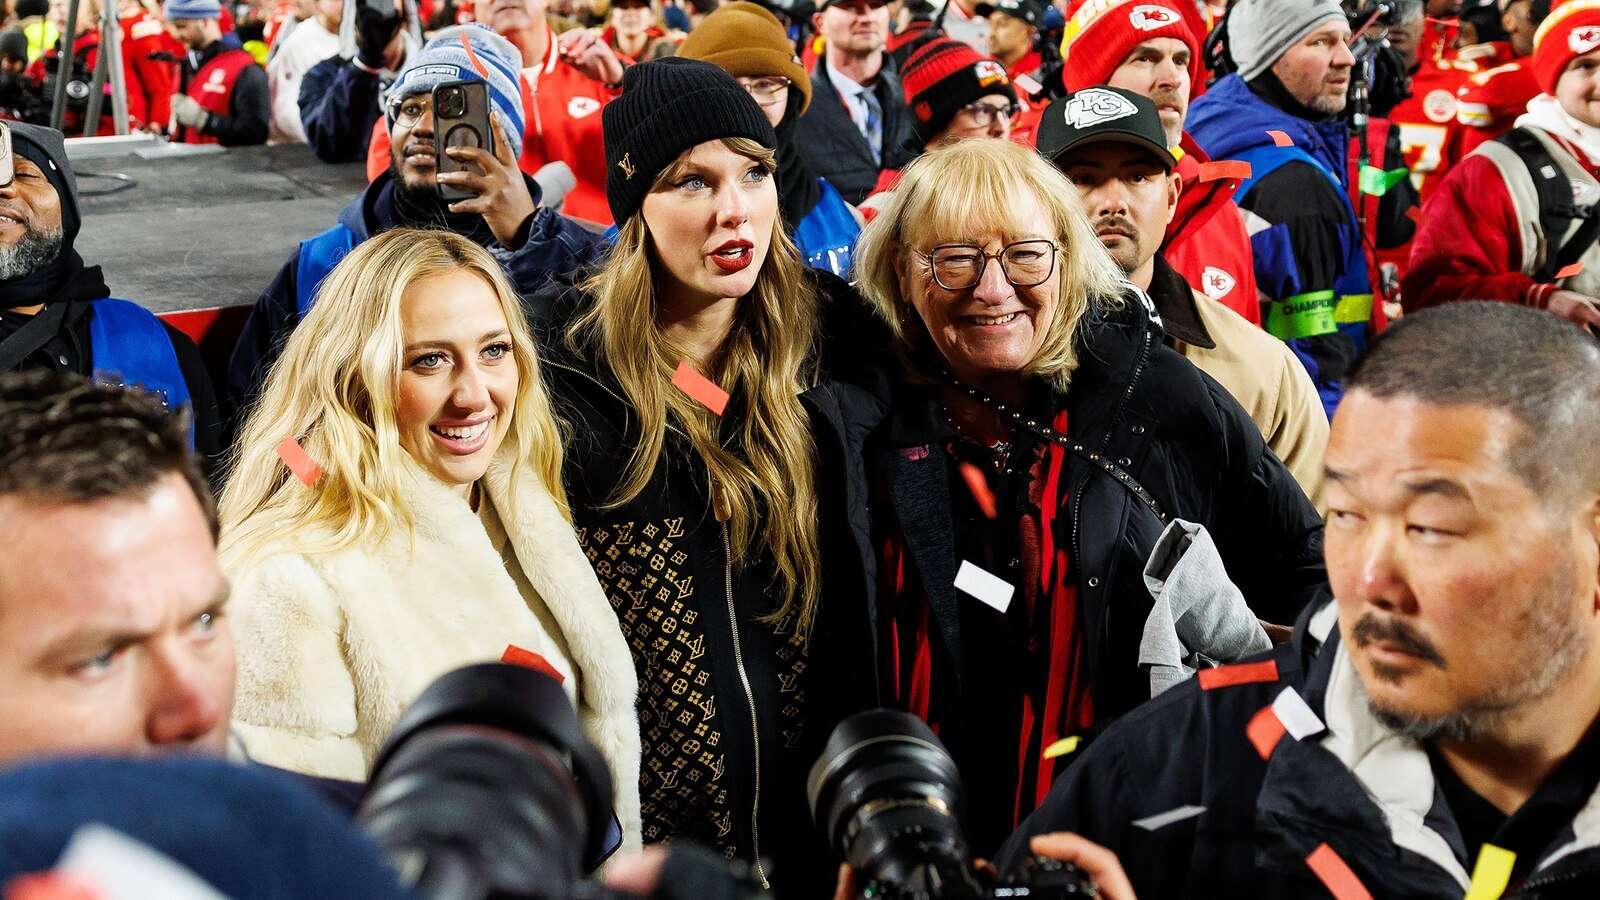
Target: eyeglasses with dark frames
(767, 88)
(983, 113)
(959, 267)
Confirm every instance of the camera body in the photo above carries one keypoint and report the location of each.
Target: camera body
(887, 795)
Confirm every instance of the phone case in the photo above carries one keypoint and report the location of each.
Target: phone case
(463, 125)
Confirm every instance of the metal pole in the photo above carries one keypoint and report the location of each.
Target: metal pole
(97, 89)
(111, 52)
(64, 58)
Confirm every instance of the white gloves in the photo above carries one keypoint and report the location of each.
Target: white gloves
(186, 111)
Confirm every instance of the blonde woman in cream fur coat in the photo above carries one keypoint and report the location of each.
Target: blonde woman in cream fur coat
(431, 540)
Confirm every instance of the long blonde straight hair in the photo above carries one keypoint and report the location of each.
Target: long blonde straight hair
(333, 389)
(767, 471)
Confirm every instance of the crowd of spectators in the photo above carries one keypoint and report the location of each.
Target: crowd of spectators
(1190, 411)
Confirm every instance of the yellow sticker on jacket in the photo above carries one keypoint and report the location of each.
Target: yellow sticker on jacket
(1492, 873)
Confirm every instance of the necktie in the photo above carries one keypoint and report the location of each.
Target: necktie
(873, 131)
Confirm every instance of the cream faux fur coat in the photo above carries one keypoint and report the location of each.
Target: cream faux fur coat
(334, 646)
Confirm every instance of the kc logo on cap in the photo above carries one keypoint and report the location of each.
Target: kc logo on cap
(1582, 40)
(1150, 18)
(1095, 107)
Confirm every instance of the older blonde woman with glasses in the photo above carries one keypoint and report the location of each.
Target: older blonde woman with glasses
(748, 43)
(1040, 434)
(436, 533)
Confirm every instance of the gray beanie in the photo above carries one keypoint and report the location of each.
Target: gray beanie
(1260, 31)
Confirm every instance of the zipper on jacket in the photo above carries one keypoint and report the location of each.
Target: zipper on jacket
(750, 698)
(1105, 442)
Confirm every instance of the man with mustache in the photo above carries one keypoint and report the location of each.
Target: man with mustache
(1435, 725)
(57, 313)
(1499, 227)
(531, 242)
(1154, 49)
(1112, 144)
(1282, 112)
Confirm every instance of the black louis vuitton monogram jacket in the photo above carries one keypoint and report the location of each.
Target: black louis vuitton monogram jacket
(732, 710)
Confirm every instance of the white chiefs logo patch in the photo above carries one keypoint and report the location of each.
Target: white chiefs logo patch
(1216, 283)
(1439, 106)
(578, 107)
(214, 83)
(1584, 39)
(1149, 18)
(1095, 106)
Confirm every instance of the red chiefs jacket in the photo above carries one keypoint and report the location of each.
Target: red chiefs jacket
(153, 79)
(563, 115)
(1470, 243)
(1489, 103)
(1206, 241)
(1430, 136)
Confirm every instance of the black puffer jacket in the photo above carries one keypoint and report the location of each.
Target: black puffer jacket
(1180, 435)
(733, 711)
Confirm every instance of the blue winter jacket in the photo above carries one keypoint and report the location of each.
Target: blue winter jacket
(1316, 276)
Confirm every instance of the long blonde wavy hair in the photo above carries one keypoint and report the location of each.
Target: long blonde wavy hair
(334, 390)
(767, 470)
(958, 191)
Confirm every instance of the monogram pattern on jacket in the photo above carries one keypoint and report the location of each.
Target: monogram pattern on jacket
(683, 782)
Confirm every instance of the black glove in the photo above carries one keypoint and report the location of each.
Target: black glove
(374, 31)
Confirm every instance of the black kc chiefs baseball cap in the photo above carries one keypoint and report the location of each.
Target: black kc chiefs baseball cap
(1100, 114)
(1029, 11)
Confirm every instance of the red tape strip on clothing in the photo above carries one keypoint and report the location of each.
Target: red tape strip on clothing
(1242, 673)
(1225, 168)
(979, 486)
(1280, 139)
(299, 462)
(701, 389)
(1335, 875)
(1264, 730)
(472, 57)
(528, 659)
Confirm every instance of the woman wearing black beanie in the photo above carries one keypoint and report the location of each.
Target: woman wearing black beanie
(747, 42)
(700, 470)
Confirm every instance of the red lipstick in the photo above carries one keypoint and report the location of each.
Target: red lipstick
(733, 256)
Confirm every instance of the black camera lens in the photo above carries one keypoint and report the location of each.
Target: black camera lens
(487, 788)
(452, 103)
(887, 797)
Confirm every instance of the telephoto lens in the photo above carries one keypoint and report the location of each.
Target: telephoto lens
(887, 797)
(487, 788)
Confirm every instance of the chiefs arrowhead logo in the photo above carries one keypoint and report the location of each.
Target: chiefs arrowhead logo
(1149, 18)
(1096, 106)
(1216, 283)
(578, 107)
(1584, 39)
(989, 72)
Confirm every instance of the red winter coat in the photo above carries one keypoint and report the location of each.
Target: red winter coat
(1489, 103)
(1207, 242)
(1470, 244)
(142, 35)
(562, 109)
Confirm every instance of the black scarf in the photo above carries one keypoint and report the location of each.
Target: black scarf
(423, 208)
(62, 279)
(798, 191)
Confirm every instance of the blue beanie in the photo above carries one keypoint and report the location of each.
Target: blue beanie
(467, 53)
(248, 831)
(192, 9)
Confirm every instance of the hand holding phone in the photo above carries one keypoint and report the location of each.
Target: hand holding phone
(488, 178)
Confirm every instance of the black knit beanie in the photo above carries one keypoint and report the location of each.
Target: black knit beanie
(944, 75)
(667, 106)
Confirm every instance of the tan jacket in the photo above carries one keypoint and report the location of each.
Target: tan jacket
(334, 646)
(1262, 373)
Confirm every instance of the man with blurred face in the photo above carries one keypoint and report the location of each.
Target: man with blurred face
(1489, 235)
(1440, 716)
(1150, 48)
(1014, 35)
(857, 124)
(1125, 174)
(113, 637)
(1283, 113)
